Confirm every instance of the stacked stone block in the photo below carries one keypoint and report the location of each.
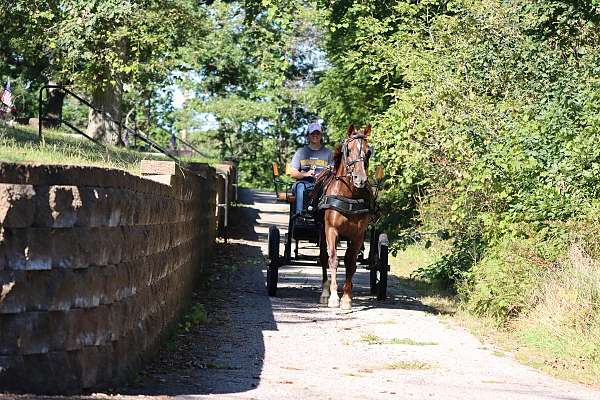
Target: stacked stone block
(95, 265)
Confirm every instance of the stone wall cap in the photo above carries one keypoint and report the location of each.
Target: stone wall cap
(156, 167)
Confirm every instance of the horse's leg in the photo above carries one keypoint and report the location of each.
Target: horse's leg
(350, 265)
(331, 237)
(324, 262)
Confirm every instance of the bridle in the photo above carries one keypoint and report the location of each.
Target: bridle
(361, 199)
(362, 154)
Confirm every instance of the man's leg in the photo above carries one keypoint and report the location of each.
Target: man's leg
(299, 191)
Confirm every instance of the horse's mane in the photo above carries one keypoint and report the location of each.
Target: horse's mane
(324, 177)
(337, 157)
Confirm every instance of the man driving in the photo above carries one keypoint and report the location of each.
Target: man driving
(307, 162)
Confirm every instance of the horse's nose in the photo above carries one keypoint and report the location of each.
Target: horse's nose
(359, 181)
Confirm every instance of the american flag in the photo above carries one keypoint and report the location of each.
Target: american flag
(6, 98)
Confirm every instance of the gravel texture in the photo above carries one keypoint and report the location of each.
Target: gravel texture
(291, 347)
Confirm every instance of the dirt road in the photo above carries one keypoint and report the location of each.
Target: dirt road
(291, 347)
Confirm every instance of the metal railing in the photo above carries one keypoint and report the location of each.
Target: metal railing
(136, 134)
(189, 145)
(225, 204)
(105, 115)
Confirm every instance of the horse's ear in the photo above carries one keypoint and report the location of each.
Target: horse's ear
(368, 130)
(351, 129)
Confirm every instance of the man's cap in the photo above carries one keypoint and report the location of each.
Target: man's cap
(315, 126)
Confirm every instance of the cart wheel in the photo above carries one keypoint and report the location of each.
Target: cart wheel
(373, 262)
(273, 269)
(382, 267)
(287, 253)
(373, 279)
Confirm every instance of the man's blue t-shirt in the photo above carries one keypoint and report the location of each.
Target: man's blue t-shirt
(307, 158)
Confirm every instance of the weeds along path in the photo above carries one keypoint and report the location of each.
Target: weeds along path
(290, 347)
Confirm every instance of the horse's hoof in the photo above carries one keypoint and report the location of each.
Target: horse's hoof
(346, 305)
(333, 302)
(323, 299)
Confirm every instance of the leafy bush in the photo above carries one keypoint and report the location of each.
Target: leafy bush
(501, 284)
(452, 267)
(492, 126)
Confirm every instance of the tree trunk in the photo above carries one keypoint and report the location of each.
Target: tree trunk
(54, 106)
(100, 127)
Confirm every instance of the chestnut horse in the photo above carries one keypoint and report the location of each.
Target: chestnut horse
(348, 215)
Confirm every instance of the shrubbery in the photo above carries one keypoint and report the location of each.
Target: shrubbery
(505, 281)
(491, 131)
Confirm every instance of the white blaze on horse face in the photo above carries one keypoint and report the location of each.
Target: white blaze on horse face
(358, 154)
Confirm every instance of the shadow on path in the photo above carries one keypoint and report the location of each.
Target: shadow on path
(224, 355)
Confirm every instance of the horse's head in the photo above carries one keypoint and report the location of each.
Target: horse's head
(355, 155)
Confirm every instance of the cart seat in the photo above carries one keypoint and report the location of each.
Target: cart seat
(286, 196)
(282, 192)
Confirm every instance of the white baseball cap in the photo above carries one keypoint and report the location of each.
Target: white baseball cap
(315, 126)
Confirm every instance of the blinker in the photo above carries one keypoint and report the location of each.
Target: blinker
(379, 172)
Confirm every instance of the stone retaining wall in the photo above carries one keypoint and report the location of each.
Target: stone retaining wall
(95, 266)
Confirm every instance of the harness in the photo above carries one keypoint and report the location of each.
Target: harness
(345, 205)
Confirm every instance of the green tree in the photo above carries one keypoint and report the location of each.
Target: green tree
(107, 47)
(252, 73)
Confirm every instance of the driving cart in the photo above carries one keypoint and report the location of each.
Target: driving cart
(305, 228)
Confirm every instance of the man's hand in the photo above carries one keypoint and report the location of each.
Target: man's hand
(294, 173)
(308, 174)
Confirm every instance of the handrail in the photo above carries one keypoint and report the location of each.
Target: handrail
(184, 142)
(225, 204)
(105, 115)
(191, 147)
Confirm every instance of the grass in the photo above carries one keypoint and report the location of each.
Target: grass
(414, 365)
(560, 335)
(563, 328)
(371, 339)
(411, 342)
(417, 256)
(194, 316)
(22, 144)
(560, 332)
(534, 348)
(374, 339)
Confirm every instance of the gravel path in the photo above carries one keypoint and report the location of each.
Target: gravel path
(290, 347)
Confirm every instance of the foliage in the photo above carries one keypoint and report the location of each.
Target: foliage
(95, 46)
(565, 320)
(251, 74)
(491, 116)
(451, 268)
(194, 316)
(485, 112)
(24, 56)
(106, 40)
(501, 284)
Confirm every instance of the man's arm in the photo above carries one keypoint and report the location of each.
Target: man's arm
(294, 170)
(294, 173)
